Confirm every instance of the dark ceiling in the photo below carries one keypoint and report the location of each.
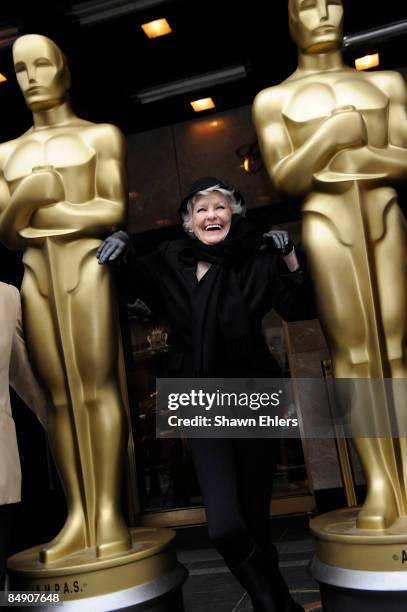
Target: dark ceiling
(112, 60)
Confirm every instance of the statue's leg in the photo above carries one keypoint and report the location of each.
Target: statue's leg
(341, 305)
(45, 352)
(382, 506)
(96, 329)
(391, 263)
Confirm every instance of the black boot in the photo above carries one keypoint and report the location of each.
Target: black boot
(253, 576)
(283, 596)
(283, 599)
(295, 607)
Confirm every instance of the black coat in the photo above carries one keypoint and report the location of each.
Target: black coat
(166, 284)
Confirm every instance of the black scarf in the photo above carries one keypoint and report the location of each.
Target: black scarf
(218, 309)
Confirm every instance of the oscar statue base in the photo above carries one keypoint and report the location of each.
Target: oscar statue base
(359, 570)
(147, 577)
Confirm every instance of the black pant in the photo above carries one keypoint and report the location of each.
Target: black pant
(6, 514)
(236, 476)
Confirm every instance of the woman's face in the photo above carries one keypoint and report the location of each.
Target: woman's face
(211, 217)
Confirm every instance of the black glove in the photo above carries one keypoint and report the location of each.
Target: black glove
(114, 249)
(139, 311)
(279, 242)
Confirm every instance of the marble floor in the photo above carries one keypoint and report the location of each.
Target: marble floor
(211, 587)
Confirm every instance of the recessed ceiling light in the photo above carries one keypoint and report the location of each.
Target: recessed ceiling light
(158, 27)
(367, 61)
(2, 78)
(202, 104)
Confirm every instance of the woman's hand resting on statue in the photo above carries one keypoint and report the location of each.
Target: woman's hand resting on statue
(114, 249)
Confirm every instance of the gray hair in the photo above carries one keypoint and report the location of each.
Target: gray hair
(235, 206)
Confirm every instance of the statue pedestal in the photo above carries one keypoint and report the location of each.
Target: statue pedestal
(359, 570)
(147, 577)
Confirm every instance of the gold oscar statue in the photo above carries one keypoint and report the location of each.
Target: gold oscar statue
(337, 139)
(62, 191)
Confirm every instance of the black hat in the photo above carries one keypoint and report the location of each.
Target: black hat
(205, 183)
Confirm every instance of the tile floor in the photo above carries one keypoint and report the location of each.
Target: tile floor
(211, 586)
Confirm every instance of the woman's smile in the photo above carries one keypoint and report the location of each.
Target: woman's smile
(211, 217)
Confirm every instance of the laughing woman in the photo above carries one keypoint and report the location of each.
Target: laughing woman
(214, 287)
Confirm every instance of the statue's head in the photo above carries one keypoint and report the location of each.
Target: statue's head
(316, 26)
(41, 71)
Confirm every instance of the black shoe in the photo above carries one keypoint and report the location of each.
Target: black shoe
(282, 599)
(285, 601)
(292, 607)
(253, 576)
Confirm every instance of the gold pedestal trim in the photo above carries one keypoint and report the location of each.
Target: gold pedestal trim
(83, 575)
(341, 544)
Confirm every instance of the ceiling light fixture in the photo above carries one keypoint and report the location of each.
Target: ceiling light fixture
(156, 28)
(2, 78)
(8, 35)
(367, 61)
(98, 11)
(375, 35)
(189, 85)
(202, 104)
